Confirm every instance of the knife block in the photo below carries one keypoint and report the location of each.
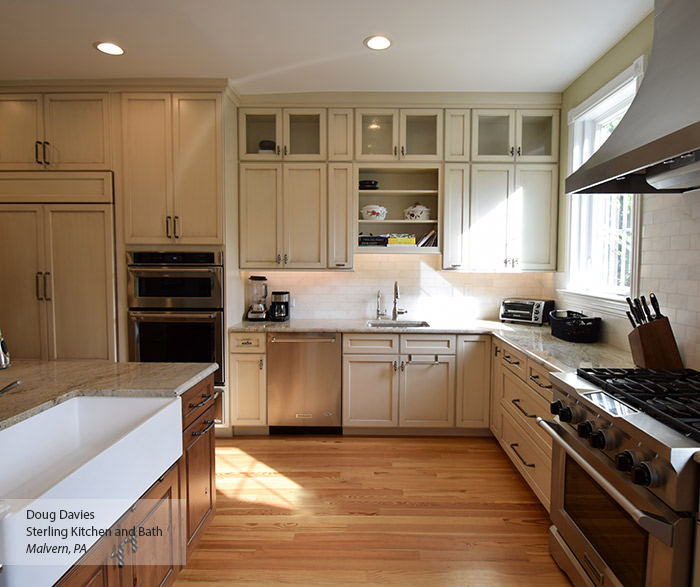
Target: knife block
(653, 346)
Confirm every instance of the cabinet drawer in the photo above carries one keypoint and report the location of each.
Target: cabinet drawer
(246, 342)
(428, 344)
(196, 400)
(538, 379)
(525, 405)
(514, 360)
(534, 465)
(373, 344)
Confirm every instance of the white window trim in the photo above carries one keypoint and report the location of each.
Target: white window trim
(611, 305)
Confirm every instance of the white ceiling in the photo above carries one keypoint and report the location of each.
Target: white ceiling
(277, 46)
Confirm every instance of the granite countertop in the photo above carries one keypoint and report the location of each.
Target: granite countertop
(45, 384)
(536, 341)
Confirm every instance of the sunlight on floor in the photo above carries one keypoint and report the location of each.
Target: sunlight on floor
(249, 480)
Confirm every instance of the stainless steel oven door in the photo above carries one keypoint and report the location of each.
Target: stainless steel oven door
(178, 337)
(615, 533)
(175, 287)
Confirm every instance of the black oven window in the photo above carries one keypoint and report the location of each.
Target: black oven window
(174, 287)
(620, 542)
(176, 342)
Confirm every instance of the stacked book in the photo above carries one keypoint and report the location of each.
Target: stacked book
(428, 240)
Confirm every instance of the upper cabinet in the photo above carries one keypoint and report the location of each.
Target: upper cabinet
(55, 131)
(457, 135)
(172, 176)
(393, 135)
(523, 136)
(340, 134)
(292, 134)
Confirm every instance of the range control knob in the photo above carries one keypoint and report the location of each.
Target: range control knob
(555, 407)
(645, 474)
(624, 461)
(566, 415)
(585, 429)
(599, 439)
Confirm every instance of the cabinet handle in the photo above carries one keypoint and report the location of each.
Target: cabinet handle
(176, 224)
(535, 379)
(412, 362)
(496, 350)
(46, 287)
(206, 396)
(395, 151)
(522, 460)
(516, 403)
(279, 259)
(506, 261)
(506, 358)
(455, 265)
(43, 150)
(36, 152)
(119, 555)
(285, 150)
(246, 343)
(210, 425)
(395, 366)
(286, 259)
(519, 151)
(403, 367)
(514, 261)
(38, 293)
(167, 226)
(512, 151)
(278, 149)
(261, 364)
(134, 543)
(403, 151)
(340, 264)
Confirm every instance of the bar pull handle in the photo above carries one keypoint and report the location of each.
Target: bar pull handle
(46, 287)
(176, 225)
(412, 362)
(514, 448)
(167, 226)
(207, 397)
(43, 150)
(535, 379)
(207, 429)
(506, 358)
(516, 403)
(36, 152)
(38, 293)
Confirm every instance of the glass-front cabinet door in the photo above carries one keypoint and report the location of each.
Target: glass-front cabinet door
(376, 134)
(260, 133)
(399, 135)
(538, 136)
(493, 136)
(421, 135)
(304, 134)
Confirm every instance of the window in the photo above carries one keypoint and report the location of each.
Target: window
(602, 227)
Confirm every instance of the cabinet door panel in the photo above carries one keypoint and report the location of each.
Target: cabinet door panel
(340, 134)
(457, 135)
(148, 188)
(305, 134)
(261, 215)
(21, 121)
(427, 392)
(80, 258)
(473, 380)
(456, 217)
(305, 215)
(370, 391)
(340, 216)
(493, 135)
(22, 314)
(491, 185)
(247, 376)
(421, 135)
(376, 134)
(259, 124)
(197, 165)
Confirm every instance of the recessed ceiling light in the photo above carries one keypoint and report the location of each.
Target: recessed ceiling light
(377, 42)
(109, 48)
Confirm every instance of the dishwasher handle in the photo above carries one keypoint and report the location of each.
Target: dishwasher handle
(302, 339)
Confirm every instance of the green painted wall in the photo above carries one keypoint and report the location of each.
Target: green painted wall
(620, 57)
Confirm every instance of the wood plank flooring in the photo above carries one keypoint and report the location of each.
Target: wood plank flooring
(371, 511)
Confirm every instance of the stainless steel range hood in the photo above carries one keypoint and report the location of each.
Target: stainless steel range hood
(656, 146)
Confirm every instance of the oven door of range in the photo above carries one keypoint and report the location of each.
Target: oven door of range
(614, 532)
(174, 287)
(177, 337)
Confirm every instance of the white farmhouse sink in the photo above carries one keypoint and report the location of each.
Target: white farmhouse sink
(89, 454)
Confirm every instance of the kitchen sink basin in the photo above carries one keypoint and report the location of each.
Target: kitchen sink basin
(397, 324)
(88, 454)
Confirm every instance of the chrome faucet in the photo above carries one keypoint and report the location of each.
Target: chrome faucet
(380, 313)
(397, 311)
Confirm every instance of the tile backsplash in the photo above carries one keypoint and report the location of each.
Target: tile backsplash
(426, 291)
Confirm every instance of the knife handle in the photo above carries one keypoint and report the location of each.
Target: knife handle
(645, 307)
(631, 319)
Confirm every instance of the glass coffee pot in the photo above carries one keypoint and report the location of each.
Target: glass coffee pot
(257, 294)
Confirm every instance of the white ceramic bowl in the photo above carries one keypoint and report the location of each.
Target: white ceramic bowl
(373, 212)
(417, 212)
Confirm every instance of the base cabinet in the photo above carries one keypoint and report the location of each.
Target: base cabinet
(473, 380)
(248, 379)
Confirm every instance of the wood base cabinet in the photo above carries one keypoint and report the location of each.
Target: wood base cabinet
(473, 380)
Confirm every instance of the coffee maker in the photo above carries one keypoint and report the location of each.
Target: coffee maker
(279, 306)
(257, 294)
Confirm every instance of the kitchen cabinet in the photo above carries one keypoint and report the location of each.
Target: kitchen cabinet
(57, 287)
(522, 136)
(455, 218)
(340, 134)
(283, 216)
(340, 214)
(58, 131)
(248, 379)
(473, 380)
(383, 388)
(513, 211)
(457, 135)
(172, 168)
(398, 188)
(295, 134)
(496, 388)
(384, 134)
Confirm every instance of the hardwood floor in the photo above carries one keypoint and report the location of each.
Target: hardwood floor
(371, 511)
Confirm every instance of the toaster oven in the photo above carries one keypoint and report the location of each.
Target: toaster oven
(527, 311)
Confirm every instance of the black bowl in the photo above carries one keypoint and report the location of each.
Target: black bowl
(368, 184)
(267, 145)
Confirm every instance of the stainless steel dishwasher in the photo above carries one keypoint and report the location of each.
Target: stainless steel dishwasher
(304, 380)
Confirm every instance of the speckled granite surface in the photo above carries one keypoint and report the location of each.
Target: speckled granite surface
(45, 384)
(536, 341)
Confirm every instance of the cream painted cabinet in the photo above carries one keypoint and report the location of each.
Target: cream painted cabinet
(248, 379)
(57, 288)
(473, 380)
(340, 215)
(172, 176)
(340, 134)
(370, 390)
(513, 211)
(283, 216)
(427, 384)
(55, 131)
(457, 135)
(496, 387)
(455, 218)
(523, 136)
(292, 134)
(384, 134)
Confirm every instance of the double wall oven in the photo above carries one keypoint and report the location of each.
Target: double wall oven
(176, 304)
(624, 481)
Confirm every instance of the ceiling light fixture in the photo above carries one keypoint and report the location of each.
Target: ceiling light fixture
(108, 48)
(377, 42)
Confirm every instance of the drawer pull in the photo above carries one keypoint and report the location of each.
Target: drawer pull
(246, 343)
(206, 396)
(506, 358)
(516, 403)
(210, 426)
(412, 362)
(522, 460)
(535, 379)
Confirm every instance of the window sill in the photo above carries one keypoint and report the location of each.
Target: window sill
(612, 305)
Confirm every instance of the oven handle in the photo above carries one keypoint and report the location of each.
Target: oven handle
(172, 316)
(659, 528)
(172, 272)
